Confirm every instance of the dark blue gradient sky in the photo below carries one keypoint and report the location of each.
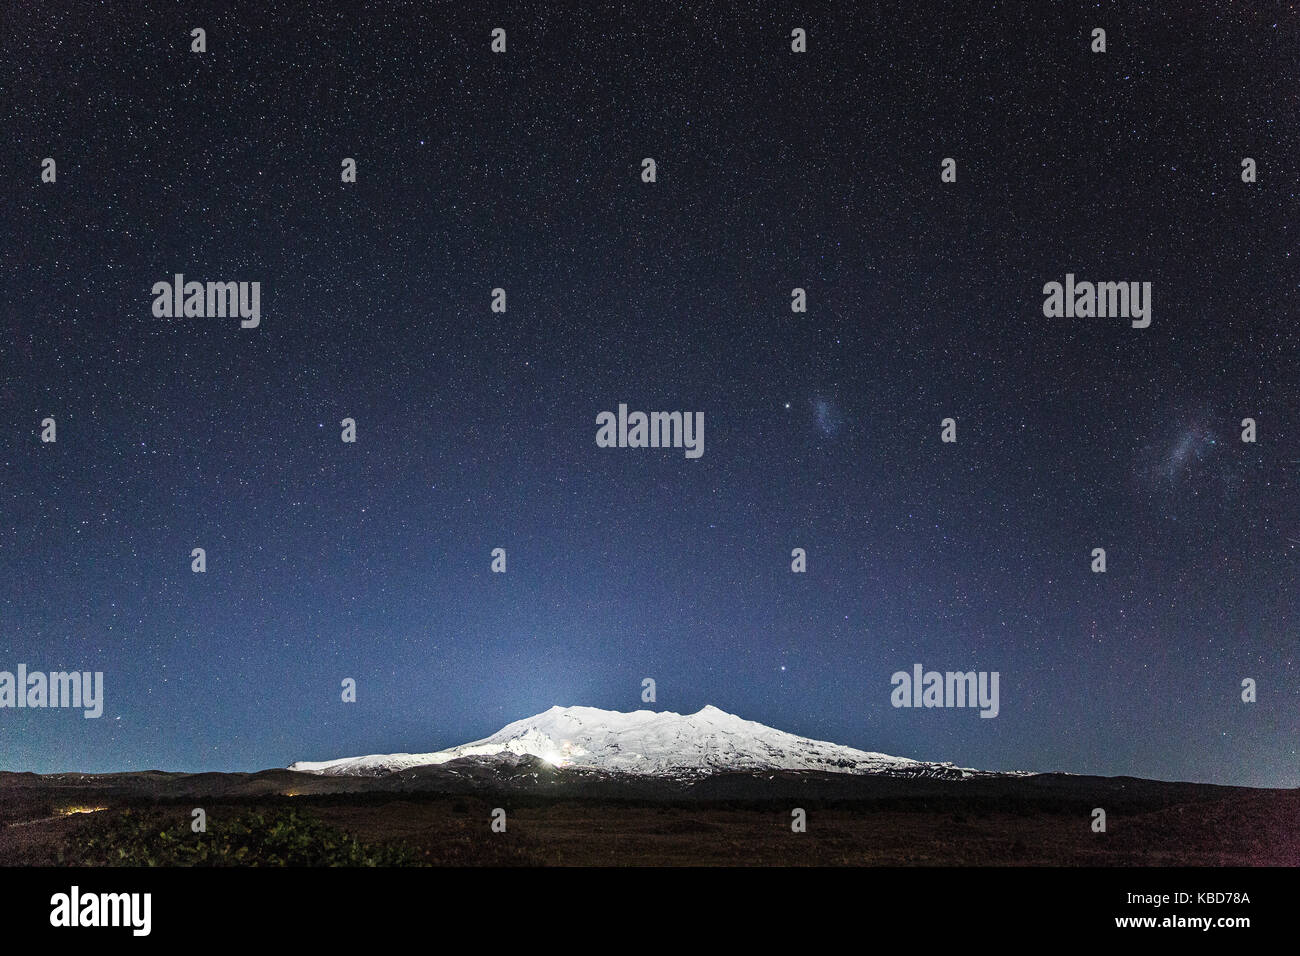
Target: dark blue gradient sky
(476, 430)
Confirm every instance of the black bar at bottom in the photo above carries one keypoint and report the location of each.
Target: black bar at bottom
(327, 905)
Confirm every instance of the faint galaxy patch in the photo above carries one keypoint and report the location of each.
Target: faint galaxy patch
(827, 417)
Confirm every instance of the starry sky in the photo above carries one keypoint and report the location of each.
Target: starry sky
(476, 430)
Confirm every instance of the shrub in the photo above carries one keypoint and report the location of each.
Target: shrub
(275, 838)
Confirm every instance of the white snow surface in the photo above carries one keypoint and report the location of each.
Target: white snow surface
(641, 742)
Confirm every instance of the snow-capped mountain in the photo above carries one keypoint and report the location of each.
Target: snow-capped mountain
(647, 742)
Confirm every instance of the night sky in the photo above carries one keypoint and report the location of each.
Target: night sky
(476, 430)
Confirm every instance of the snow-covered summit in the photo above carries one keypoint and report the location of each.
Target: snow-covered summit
(644, 742)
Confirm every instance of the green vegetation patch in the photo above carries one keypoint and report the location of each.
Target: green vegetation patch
(281, 837)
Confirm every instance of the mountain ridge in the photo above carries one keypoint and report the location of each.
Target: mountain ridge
(646, 742)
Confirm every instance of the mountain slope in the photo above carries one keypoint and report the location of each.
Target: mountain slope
(647, 742)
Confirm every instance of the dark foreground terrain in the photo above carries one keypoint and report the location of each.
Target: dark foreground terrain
(443, 817)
